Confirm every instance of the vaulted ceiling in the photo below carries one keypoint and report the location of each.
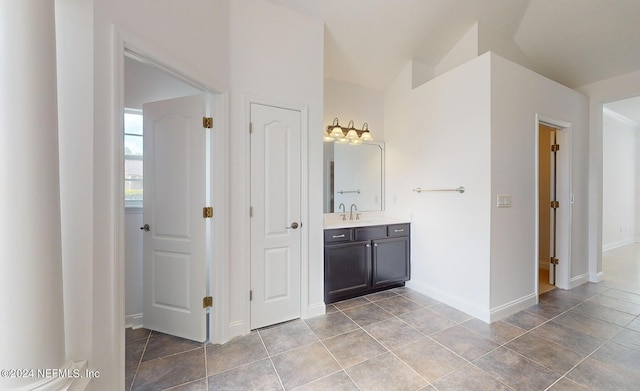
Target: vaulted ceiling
(574, 42)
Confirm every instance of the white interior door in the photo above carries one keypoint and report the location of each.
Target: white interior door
(174, 195)
(276, 210)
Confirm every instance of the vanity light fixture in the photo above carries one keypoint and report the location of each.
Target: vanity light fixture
(334, 130)
(348, 134)
(366, 135)
(351, 131)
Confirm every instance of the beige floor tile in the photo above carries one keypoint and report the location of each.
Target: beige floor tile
(367, 314)
(469, 377)
(546, 353)
(599, 376)
(353, 347)
(499, 332)
(237, 352)
(287, 336)
(393, 333)
(330, 325)
(259, 375)
(170, 371)
(385, 373)
(304, 365)
(427, 321)
(429, 359)
(516, 371)
(464, 343)
(575, 340)
(339, 381)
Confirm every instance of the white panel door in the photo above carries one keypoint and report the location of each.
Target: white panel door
(275, 222)
(174, 195)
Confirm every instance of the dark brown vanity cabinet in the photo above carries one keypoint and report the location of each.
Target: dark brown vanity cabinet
(363, 260)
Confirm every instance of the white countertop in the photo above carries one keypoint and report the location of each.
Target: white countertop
(334, 220)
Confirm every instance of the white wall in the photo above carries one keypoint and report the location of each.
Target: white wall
(475, 126)
(518, 94)
(619, 176)
(262, 36)
(74, 46)
(195, 35)
(350, 102)
(144, 83)
(438, 136)
(478, 40)
(236, 46)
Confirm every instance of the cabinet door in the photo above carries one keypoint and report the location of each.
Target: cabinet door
(391, 261)
(347, 269)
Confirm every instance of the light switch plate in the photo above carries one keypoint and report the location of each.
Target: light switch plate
(504, 200)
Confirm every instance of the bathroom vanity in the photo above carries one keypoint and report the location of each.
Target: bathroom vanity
(365, 257)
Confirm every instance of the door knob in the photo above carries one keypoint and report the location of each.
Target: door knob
(294, 225)
(145, 228)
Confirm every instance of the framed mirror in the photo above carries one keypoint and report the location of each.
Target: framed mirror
(354, 174)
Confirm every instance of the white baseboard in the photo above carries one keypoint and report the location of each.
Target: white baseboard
(487, 315)
(134, 321)
(456, 302)
(237, 328)
(598, 277)
(316, 309)
(501, 312)
(619, 243)
(578, 280)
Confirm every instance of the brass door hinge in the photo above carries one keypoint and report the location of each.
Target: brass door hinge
(207, 122)
(554, 260)
(207, 212)
(555, 147)
(250, 127)
(250, 295)
(207, 302)
(555, 204)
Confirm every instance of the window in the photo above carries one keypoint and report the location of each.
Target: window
(133, 157)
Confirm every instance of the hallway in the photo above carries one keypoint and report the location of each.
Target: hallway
(584, 339)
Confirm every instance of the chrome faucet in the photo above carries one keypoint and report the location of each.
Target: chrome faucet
(344, 212)
(351, 211)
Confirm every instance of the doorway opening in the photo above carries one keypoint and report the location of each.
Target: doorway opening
(547, 217)
(554, 204)
(143, 81)
(620, 189)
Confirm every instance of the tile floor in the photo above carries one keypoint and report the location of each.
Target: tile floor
(584, 339)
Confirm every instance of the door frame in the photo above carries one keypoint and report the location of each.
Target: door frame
(125, 44)
(565, 196)
(304, 194)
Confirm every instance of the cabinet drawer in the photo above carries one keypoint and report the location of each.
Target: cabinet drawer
(397, 230)
(368, 233)
(337, 235)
